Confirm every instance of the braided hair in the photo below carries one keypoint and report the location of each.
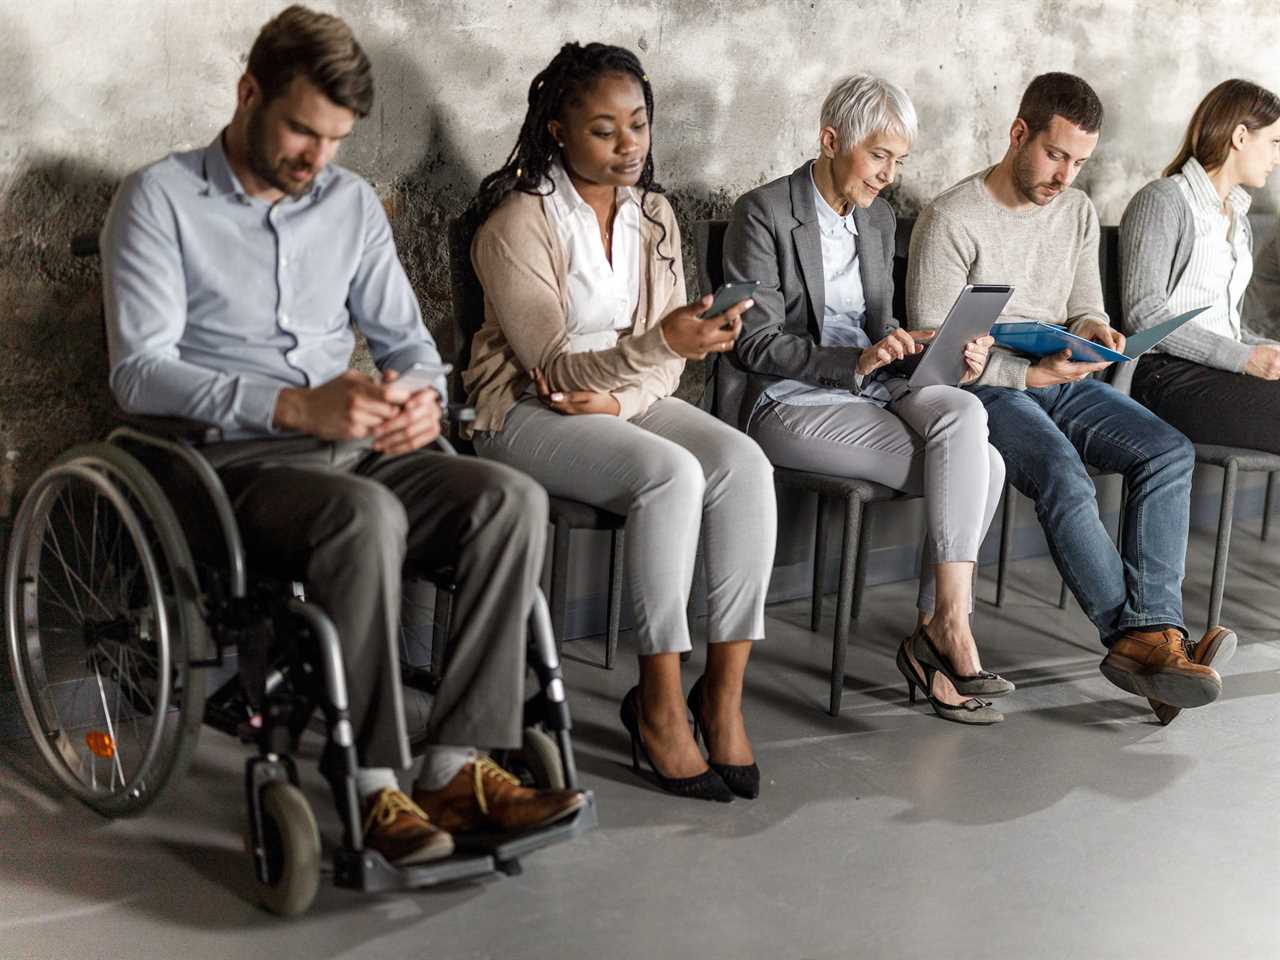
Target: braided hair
(572, 71)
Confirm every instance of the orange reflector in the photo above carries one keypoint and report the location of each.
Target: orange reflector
(101, 744)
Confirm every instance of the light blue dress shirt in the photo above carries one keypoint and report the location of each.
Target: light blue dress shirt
(844, 314)
(216, 301)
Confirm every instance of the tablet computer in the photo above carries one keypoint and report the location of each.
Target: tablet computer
(971, 316)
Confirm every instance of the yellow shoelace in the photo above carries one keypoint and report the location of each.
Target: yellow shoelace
(389, 804)
(484, 766)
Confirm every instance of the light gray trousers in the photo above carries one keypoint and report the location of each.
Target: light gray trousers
(931, 441)
(673, 471)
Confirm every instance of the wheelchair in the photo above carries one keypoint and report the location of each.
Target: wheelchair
(126, 590)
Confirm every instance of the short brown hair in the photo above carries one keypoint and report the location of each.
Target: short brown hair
(319, 46)
(1225, 107)
(1063, 95)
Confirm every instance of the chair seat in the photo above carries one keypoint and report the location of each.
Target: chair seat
(1244, 457)
(829, 484)
(583, 516)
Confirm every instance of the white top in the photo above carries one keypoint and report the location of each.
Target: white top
(844, 313)
(602, 298)
(1222, 257)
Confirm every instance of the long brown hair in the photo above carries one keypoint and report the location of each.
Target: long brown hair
(1225, 107)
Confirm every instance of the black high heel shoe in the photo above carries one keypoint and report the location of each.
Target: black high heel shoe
(981, 684)
(972, 710)
(705, 786)
(742, 779)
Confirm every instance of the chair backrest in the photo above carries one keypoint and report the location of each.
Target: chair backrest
(468, 298)
(708, 246)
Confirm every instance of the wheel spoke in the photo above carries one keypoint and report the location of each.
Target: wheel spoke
(111, 729)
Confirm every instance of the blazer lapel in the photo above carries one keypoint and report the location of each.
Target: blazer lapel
(808, 242)
(871, 267)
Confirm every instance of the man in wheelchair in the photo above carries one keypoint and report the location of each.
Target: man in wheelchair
(232, 276)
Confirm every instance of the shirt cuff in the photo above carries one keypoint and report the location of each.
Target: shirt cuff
(256, 405)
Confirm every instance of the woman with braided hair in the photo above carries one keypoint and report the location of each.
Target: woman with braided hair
(572, 375)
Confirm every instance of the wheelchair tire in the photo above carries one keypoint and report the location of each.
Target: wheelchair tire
(101, 607)
(541, 757)
(291, 840)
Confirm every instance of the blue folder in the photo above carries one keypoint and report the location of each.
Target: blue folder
(1035, 338)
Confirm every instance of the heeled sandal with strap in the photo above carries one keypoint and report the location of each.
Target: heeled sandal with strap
(973, 710)
(981, 684)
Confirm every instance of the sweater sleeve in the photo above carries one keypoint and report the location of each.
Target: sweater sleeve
(515, 268)
(1084, 303)
(1150, 232)
(942, 254)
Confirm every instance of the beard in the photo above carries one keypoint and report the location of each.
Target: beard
(261, 164)
(1024, 178)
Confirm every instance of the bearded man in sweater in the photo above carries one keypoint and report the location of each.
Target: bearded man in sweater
(1021, 223)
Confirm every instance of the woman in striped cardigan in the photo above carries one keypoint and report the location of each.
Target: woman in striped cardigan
(1185, 242)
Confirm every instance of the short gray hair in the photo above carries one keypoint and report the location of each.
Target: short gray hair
(861, 106)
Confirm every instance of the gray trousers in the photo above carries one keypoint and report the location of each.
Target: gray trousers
(931, 441)
(347, 522)
(673, 471)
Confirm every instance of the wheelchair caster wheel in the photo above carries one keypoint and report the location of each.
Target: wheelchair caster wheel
(540, 756)
(291, 843)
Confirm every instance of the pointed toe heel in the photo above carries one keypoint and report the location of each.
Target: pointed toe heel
(708, 785)
(981, 684)
(742, 779)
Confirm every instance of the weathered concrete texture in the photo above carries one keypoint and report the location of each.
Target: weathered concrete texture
(94, 90)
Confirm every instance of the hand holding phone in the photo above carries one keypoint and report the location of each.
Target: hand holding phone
(729, 295)
(419, 377)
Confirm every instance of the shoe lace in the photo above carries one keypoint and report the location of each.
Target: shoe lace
(485, 767)
(389, 805)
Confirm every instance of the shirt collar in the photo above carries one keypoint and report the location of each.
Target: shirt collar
(1205, 194)
(830, 222)
(566, 194)
(223, 181)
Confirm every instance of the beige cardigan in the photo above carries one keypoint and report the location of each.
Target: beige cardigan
(522, 266)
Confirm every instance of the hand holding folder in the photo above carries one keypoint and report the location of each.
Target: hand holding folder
(1035, 338)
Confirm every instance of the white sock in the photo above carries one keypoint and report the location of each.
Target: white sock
(441, 764)
(369, 780)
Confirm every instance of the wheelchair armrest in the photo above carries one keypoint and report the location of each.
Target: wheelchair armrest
(171, 428)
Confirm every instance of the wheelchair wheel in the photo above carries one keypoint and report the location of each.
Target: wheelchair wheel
(540, 756)
(101, 608)
(291, 840)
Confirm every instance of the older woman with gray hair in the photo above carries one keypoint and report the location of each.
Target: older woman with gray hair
(813, 378)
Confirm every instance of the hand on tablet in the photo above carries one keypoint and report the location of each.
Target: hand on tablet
(895, 346)
(975, 358)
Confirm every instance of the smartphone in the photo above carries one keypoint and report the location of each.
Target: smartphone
(420, 376)
(729, 295)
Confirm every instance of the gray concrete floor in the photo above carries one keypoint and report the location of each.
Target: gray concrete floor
(1078, 828)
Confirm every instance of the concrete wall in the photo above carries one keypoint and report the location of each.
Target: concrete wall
(93, 89)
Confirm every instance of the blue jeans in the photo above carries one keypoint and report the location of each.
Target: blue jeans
(1047, 436)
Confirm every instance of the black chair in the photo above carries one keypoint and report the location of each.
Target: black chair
(852, 494)
(566, 515)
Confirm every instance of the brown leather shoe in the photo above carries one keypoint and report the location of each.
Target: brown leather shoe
(398, 829)
(483, 797)
(1218, 645)
(1154, 664)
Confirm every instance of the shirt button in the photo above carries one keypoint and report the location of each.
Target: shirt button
(284, 320)
(284, 261)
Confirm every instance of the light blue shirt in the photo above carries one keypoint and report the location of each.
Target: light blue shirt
(216, 300)
(844, 313)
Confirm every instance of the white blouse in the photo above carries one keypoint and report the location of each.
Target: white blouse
(602, 298)
(1221, 258)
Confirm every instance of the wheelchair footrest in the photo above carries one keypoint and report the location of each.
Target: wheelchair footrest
(368, 871)
(506, 850)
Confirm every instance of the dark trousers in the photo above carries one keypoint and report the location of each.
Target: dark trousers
(1210, 405)
(1047, 436)
(347, 522)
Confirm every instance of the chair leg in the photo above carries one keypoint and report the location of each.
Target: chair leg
(1063, 596)
(853, 511)
(819, 565)
(615, 598)
(1006, 541)
(860, 562)
(1225, 515)
(560, 582)
(1266, 506)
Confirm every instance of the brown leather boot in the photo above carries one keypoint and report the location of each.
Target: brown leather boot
(1154, 664)
(1216, 646)
(483, 797)
(400, 831)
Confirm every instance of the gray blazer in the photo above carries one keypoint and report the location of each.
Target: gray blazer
(773, 238)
